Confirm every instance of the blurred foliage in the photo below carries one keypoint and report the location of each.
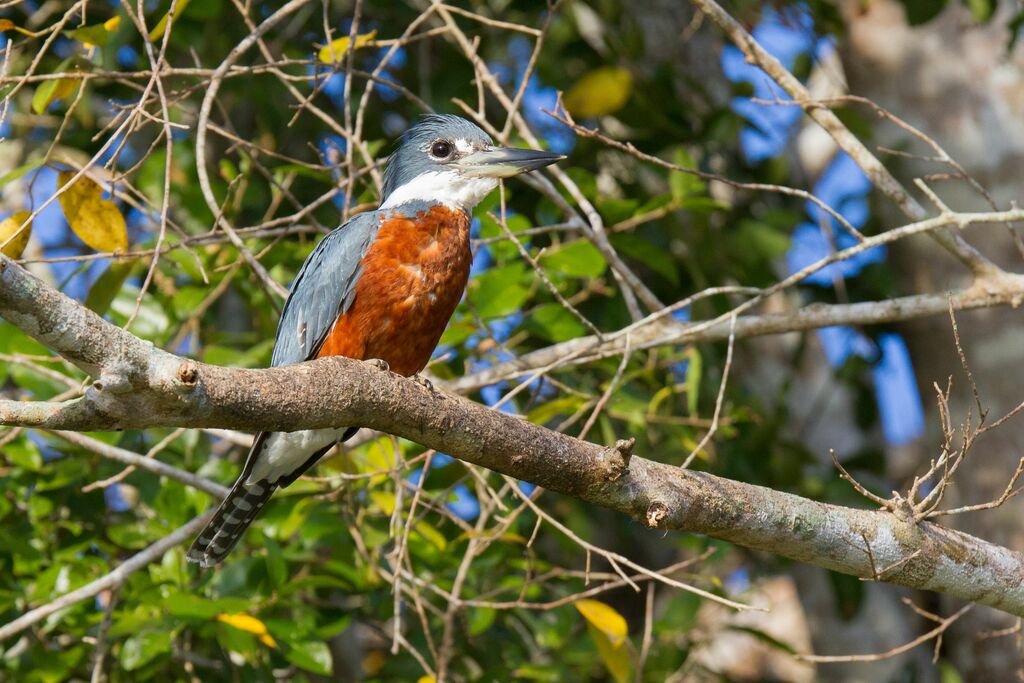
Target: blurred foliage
(306, 594)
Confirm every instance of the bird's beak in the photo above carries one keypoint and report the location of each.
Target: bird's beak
(505, 162)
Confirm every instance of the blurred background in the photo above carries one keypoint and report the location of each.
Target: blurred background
(344, 577)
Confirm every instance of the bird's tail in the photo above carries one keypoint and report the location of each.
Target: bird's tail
(244, 502)
(237, 511)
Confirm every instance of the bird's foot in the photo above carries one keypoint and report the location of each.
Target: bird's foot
(378, 363)
(426, 384)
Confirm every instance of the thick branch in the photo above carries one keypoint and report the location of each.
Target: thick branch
(167, 390)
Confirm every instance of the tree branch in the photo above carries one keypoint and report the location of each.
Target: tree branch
(874, 169)
(147, 387)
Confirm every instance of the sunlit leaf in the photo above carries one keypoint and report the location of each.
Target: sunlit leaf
(694, 371)
(336, 49)
(602, 91)
(50, 91)
(95, 35)
(161, 26)
(604, 618)
(576, 259)
(9, 230)
(249, 624)
(95, 220)
(499, 291)
(142, 648)
(430, 534)
(312, 656)
(608, 631)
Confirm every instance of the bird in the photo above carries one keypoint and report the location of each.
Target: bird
(380, 288)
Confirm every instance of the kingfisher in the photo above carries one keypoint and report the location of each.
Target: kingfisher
(380, 288)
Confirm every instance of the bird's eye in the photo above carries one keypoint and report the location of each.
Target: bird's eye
(442, 149)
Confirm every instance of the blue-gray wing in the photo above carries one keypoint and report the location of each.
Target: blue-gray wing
(323, 289)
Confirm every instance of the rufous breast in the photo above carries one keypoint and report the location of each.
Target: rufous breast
(412, 278)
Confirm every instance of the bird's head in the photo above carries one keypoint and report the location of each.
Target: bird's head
(447, 159)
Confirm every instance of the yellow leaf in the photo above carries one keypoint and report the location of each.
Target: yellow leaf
(608, 631)
(430, 534)
(336, 49)
(426, 679)
(380, 457)
(8, 25)
(95, 220)
(604, 618)
(158, 31)
(385, 500)
(243, 622)
(9, 231)
(602, 91)
(616, 657)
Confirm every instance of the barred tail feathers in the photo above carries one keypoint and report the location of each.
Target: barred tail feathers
(229, 523)
(246, 498)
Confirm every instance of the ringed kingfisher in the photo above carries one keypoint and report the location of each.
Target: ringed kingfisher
(380, 288)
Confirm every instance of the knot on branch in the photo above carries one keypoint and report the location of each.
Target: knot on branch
(624, 449)
(112, 383)
(188, 373)
(618, 456)
(656, 513)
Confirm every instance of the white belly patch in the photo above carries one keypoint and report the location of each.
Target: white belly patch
(284, 452)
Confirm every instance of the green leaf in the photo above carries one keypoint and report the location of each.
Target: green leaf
(499, 291)
(277, 568)
(981, 10)
(651, 255)
(553, 322)
(602, 91)
(694, 370)
(139, 650)
(312, 656)
(11, 176)
(158, 31)
(107, 285)
(576, 259)
(683, 185)
(761, 241)
(50, 91)
(96, 34)
(23, 454)
(480, 619)
(191, 606)
(765, 638)
(921, 11)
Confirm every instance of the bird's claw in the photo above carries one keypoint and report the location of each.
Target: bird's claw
(379, 363)
(426, 384)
